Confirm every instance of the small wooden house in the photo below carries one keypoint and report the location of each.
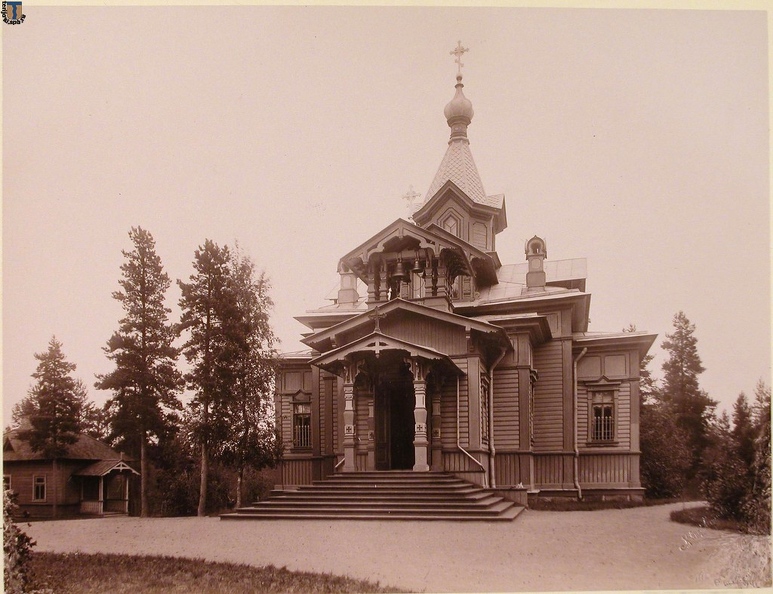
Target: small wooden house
(91, 478)
(436, 356)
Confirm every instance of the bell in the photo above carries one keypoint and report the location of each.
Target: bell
(417, 267)
(400, 273)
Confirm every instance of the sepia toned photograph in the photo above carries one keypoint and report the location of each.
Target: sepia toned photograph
(386, 298)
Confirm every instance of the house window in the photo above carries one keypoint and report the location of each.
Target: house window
(302, 425)
(602, 416)
(39, 488)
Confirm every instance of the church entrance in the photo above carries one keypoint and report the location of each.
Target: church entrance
(394, 404)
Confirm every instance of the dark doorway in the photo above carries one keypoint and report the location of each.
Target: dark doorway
(395, 402)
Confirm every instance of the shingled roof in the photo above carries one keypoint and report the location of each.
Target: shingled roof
(86, 448)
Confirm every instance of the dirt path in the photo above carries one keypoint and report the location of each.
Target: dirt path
(602, 550)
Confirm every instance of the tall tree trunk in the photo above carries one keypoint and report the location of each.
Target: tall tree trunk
(143, 477)
(203, 485)
(239, 482)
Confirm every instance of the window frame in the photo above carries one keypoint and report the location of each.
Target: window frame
(298, 415)
(35, 484)
(602, 395)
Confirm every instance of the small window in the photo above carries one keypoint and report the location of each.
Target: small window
(602, 416)
(6, 482)
(302, 425)
(39, 488)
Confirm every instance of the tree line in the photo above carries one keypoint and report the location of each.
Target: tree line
(687, 449)
(224, 429)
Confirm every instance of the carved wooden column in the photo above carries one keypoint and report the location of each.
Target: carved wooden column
(420, 441)
(350, 439)
(371, 465)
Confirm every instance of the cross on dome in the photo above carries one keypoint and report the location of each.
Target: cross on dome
(458, 51)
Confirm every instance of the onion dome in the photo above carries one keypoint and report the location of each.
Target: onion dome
(459, 112)
(458, 165)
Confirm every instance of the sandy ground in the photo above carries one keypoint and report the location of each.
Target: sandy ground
(636, 548)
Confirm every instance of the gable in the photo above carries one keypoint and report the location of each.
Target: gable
(408, 321)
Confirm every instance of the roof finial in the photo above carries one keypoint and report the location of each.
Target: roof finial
(411, 197)
(458, 51)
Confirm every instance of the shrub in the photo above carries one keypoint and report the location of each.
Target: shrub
(665, 455)
(17, 549)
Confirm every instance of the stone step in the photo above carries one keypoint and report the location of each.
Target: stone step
(417, 512)
(394, 495)
(506, 516)
(412, 503)
(384, 489)
(372, 496)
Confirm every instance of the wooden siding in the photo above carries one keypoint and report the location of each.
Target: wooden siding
(549, 470)
(338, 412)
(506, 413)
(479, 235)
(459, 464)
(320, 397)
(286, 421)
(361, 424)
(22, 476)
(511, 469)
(448, 409)
(548, 397)
(361, 462)
(297, 471)
(410, 327)
(605, 470)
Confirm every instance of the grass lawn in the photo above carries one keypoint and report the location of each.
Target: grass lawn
(95, 574)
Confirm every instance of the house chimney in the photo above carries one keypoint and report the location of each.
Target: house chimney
(536, 252)
(347, 293)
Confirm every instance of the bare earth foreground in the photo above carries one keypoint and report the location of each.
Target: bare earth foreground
(637, 548)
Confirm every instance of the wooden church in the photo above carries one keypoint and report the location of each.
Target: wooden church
(437, 357)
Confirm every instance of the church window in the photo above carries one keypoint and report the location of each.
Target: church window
(39, 488)
(302, 425)
(602, 416)
(452, 223)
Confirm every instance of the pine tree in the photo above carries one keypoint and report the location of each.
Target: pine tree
(757, 504)
(743, 429)
(145, 381)
(216, 337)
(54, 407)
(252, 442)
(692, 406)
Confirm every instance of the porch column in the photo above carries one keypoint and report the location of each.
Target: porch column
(420, 441)
(101, 502)
(350, 455)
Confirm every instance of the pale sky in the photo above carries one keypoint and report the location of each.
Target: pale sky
(637, 139)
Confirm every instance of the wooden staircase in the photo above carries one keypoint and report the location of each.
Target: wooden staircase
(389, 495)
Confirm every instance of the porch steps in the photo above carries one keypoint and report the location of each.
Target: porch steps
(390, 495)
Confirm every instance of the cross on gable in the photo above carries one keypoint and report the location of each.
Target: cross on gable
(458, 51)
(376, 316)
(411, 197)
